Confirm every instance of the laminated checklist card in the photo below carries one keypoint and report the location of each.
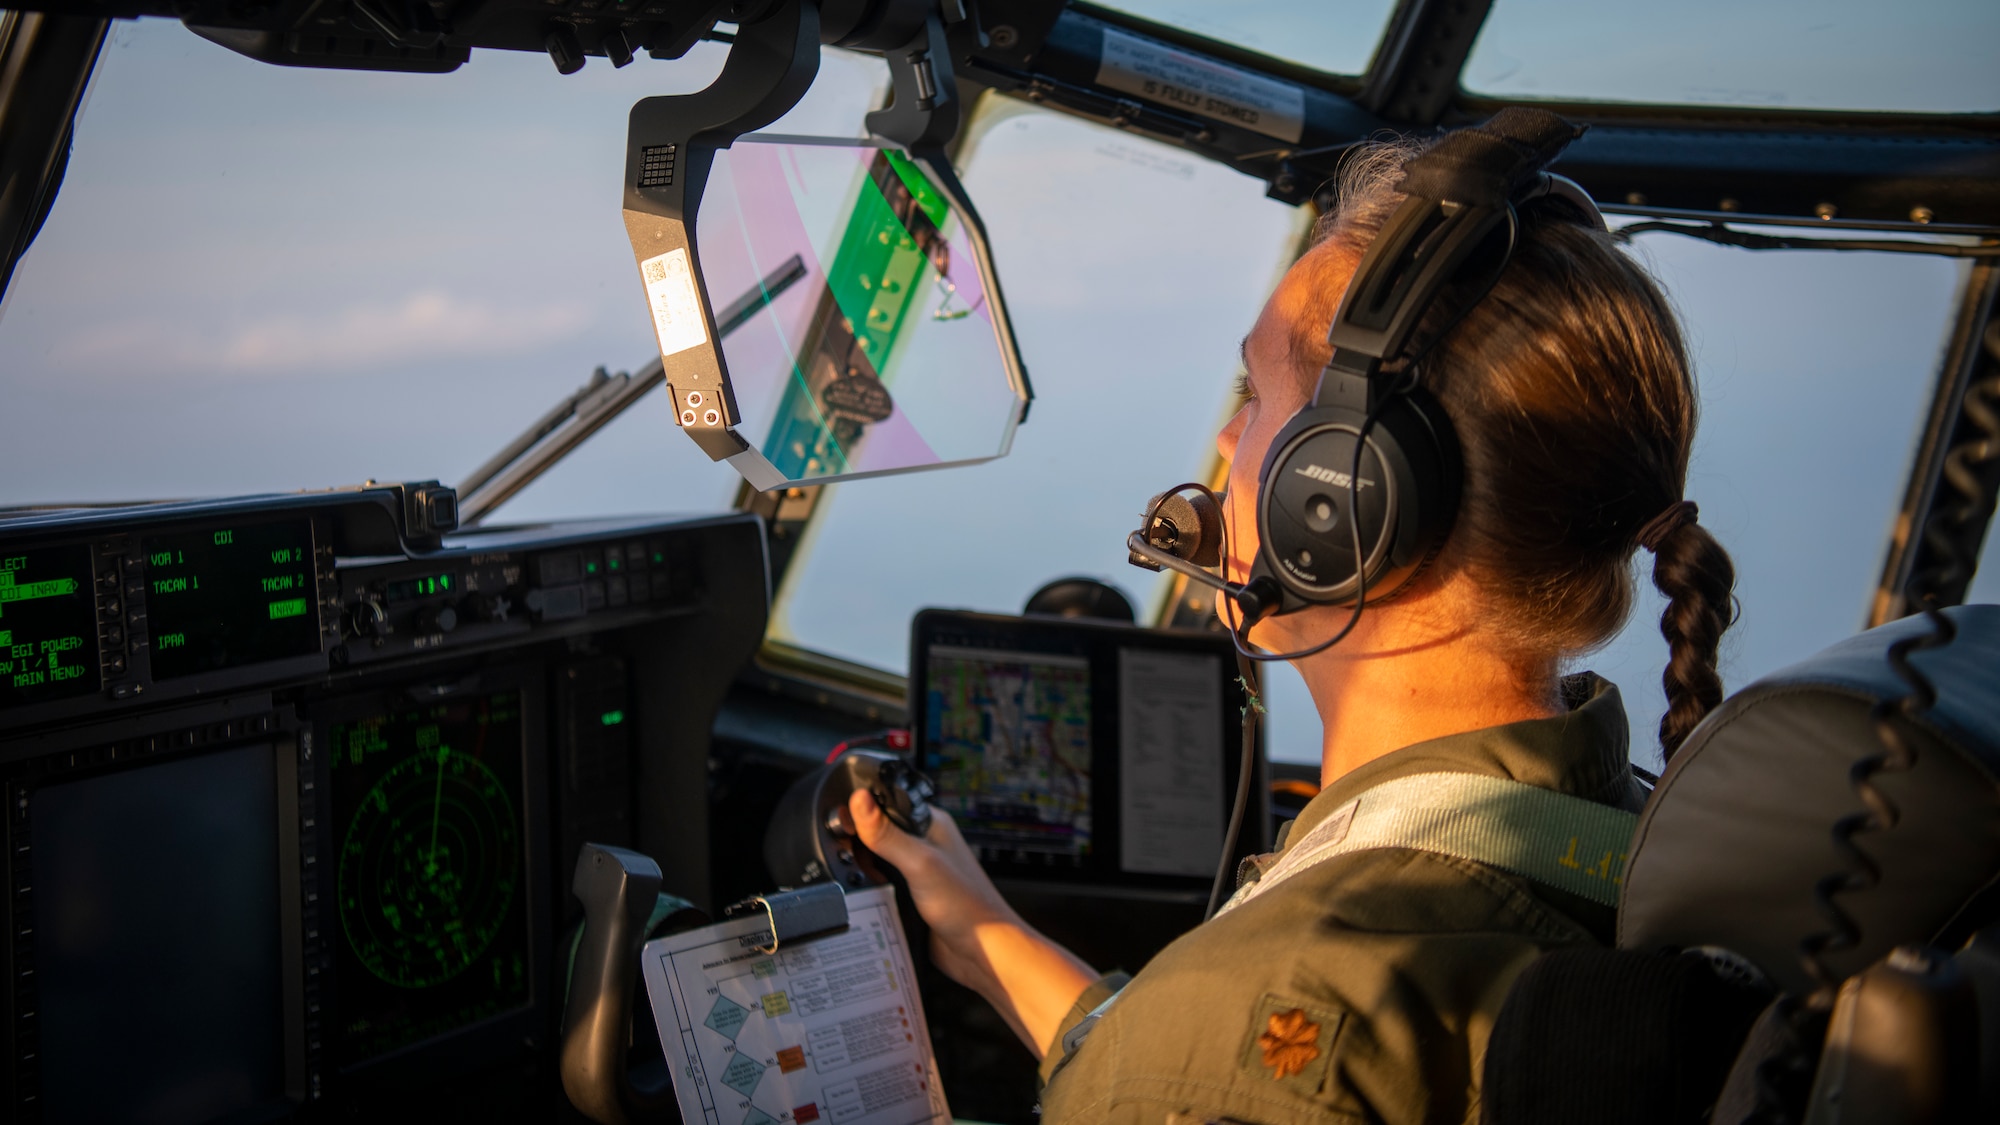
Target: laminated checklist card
(762, 1027)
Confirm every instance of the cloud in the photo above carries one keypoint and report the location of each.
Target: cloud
(427, 324)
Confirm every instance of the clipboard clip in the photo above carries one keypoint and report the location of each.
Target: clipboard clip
(809, 911)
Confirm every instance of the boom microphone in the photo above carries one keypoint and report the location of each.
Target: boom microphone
(1184, 534)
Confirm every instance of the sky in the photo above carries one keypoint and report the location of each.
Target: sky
(259, 279)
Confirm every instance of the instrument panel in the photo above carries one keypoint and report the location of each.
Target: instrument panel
(153, 612)
(229, 596)
(293, 792)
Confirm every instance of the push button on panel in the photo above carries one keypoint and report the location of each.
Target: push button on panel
(437, 619)
(555, 603)
(562, 568)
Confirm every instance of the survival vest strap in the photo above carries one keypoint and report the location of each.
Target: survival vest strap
(1560, 841)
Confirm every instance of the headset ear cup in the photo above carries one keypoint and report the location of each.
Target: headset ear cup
(1310, 510)
(1436, 461)
(1407, 494)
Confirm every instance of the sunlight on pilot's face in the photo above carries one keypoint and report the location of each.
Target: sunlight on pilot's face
(1278, 387)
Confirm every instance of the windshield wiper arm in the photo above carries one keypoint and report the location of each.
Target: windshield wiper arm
(1715, 231)
(749, 304)
(593, 406)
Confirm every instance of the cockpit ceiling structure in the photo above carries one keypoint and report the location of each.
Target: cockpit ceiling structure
(1852, 112)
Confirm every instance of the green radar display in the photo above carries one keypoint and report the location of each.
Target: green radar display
(431, 896)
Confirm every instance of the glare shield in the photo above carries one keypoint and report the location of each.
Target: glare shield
(862, 331)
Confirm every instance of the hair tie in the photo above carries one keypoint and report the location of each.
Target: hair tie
(1676, 516)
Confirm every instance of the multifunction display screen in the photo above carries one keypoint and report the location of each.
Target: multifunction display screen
(1010, 744)
(48, 625)
(432, 901)
(157, 942)
(224, 597)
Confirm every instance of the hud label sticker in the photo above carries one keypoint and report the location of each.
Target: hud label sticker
(676, 309)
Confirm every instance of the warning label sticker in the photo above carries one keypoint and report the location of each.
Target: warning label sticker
(676, 310)
(1193, 84)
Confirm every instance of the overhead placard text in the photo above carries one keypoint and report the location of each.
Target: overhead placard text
(1188, 82)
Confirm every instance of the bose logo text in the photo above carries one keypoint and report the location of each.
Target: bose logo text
(1330, 476)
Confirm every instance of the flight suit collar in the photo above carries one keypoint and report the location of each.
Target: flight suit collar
(1584, 753)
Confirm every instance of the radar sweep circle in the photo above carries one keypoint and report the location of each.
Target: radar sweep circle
(429, 868)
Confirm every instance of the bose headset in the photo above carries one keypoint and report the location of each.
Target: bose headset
(1360, 488)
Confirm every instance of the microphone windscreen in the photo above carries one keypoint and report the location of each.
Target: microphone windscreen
(1186, 525)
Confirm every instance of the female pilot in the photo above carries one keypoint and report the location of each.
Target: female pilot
(1363, 987)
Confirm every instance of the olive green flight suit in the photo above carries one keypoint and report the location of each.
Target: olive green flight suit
(1362, 988)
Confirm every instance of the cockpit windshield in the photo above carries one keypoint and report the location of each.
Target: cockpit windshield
(244, 252)
(1928, 57)
(266, 279)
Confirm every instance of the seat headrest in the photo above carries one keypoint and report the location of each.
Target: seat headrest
(1740, 828)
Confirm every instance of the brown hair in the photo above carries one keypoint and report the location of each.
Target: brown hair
(1575, 405)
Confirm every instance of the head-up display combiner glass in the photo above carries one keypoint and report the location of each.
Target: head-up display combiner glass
(826, 309)
(864, 337)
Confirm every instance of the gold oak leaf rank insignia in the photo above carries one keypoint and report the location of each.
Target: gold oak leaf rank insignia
(1290, 1041)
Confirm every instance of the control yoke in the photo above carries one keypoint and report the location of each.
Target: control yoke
(809, 838)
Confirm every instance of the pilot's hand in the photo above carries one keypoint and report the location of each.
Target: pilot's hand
(976, 938)
(951, 890)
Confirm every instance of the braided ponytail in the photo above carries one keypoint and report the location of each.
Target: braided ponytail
(1695, 574)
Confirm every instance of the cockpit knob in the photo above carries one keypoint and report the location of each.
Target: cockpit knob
(617, 48)
(437, 619)
(565, 50)
(370, 619)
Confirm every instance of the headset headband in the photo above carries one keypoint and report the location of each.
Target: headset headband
(1458, 194)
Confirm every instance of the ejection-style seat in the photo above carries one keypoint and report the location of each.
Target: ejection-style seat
(1809, 929)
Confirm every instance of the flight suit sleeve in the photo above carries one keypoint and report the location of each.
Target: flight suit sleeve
(1067, 1038)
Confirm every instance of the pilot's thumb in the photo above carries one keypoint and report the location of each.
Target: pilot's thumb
(876, 831)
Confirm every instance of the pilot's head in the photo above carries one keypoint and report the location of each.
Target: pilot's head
(1570, 389)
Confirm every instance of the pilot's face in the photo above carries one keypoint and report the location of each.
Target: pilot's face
(1278, 388)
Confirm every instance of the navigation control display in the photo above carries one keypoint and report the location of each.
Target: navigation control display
(48, 625)
(1009, 739)
(431, 899)
(1081, 752)
(223, 597)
